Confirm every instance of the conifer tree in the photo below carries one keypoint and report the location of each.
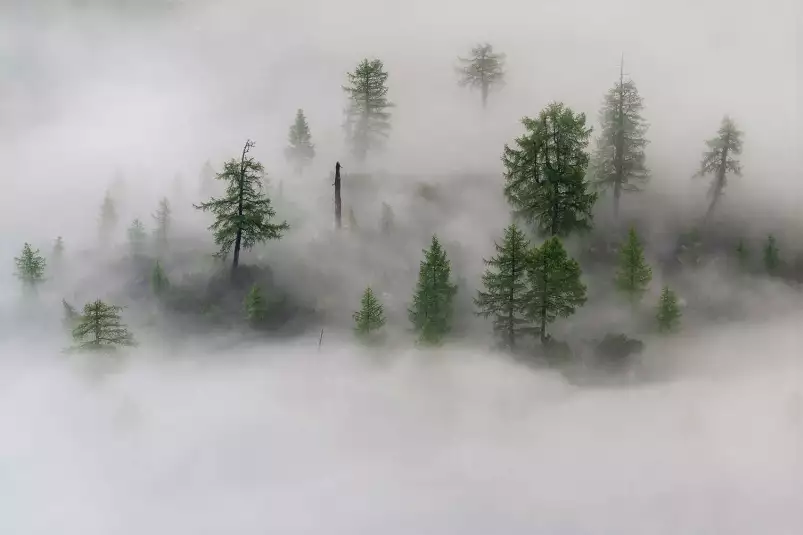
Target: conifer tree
(545, 175)
(387, 222)
(255, 307)
(484, 70)
(772, 257)
(555, 288)
(432, 307)
(207, 180)
(505, 286)
(619, 162)
(164, 221)
(720, 160)
(668, 315)
(108, 218)
(371, 316)
(300, 150)
(100, 328)
(136, 237)
(58, 250)
(242, 216)
(367, 116)
(634, 275)
(159, 281)
(30, 267)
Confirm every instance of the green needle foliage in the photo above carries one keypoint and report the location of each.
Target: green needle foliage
(108, 218)
(137, 237)
(484, 70)
(159, 281)
(432, 307)
(300, 151)
(371, 316)
(555, 288)
(669, 314)
(720, 160)
(545, 175)
(505, 283)
(71, 317)
(634, 275)
(772, 255)
(255, 306)
(242, 216)
(30, 267)
(100, 328)
(619, 162)
(164, 220)
(367, 116)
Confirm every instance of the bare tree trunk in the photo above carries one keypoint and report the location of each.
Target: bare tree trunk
(338, 202)
(484, 95)
(239, 239)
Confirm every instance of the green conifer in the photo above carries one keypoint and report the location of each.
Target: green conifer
(368, 116)
(668, 314)
(505, 286)
(255, 306)
(772, 257)
(159, 281)
(555, 287)
(300, 151)
(432, 308)
(136, 237)
(100, 328)
(634, 275)
(371, 316)
(30, 267)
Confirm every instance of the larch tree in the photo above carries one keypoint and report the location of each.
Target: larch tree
(505, 287)
(545, 173)
(243, 216)
(432, 307)
(367, 115)
(772, 255)
(619, 161)
(163, 219)
(159, 281)
(371, 316)
(634, 274)
(137, 237)
(30, 267)
(108, 218)
(668, 314)
(71, 318)
(555, 287)
(255, 306)
(720, 160)
(300, 150)
(483, 70)
(58, 252)
(100, 328)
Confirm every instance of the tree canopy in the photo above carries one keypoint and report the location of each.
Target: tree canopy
(367, 115)
(483, 70)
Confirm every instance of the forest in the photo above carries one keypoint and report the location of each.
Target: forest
(434, 267)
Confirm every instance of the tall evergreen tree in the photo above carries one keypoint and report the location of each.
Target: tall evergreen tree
(367, 116)
(71, 317)
(163, 219)
(619, 162)
(58, 251)
(484, 70)
(505, 286)
(159, 281)
(100, 328)
(545, 175)
(242, 216)
(555, 288)
(432, 308)
(30, 267)
(634, 275)
(371, 316)
(772, 256)
(136, 237)
(108, 218)
(255, 306)
(720, 160)
(668, 315)
(207, 180)
(300, 150)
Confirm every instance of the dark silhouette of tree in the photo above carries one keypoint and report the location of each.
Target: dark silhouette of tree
(367, 116)
(484, 70)
(720, 160)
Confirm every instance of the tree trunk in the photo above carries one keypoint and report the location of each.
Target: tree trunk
(484, 95)
(720, 182)
(239, 239)
(617, 193)
(338, 202)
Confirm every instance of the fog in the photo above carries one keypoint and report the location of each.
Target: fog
(220, 429)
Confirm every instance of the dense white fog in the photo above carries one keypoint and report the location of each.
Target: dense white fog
(208, 431)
